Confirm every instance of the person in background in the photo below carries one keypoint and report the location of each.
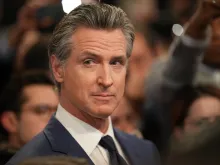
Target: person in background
(26, 105)
(25, 16)
(21, 26)
(197, 148)
(141, 12)
(139, 64)
(169, 75)
(35, 59)
(89, 53)
(126, 119)
(193, 107)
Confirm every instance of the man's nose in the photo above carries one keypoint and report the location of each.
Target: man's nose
(105, 78)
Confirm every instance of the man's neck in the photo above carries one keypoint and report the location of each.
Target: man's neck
(13, 141)
(98, 123)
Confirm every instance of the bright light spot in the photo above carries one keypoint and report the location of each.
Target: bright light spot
(69, 5)
(177, 29)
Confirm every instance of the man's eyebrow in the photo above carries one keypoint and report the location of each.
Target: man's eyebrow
(95, 55)
(120, 57)
(87, 53)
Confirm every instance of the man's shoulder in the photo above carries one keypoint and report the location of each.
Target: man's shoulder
(38, 146)
(134, 140)
(145, 149)
(6, 152)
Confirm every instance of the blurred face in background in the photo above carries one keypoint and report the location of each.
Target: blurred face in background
(213, 51)
(139, 64)
(40, 103)
(124, 117)
(204, 109)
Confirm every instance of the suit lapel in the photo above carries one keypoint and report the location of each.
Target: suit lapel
(62, 142)
(129, 148)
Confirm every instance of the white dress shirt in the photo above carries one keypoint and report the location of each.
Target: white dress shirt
(88, 137)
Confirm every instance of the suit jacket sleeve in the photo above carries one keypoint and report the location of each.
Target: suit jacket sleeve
(169, 75)
(165, 79)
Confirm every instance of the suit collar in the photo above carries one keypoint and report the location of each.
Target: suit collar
(81, 129)
(128, 146)
(61, 141)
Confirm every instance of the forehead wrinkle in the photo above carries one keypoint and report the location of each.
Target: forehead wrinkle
(105, 38)
(97, 46)
(108, 54)
(104, 42)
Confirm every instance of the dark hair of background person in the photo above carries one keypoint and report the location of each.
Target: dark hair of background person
(12, 97)
(52, 13)
(198, 148)
(158, 128)
(6, 154)
(184, 99)
(6, 69)
(55, 160)
(36, 58)
(10, 10)
(162, 4)
(161, 29)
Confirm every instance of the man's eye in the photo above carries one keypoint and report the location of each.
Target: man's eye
(117, 62)
(89, 62)
(41, 110)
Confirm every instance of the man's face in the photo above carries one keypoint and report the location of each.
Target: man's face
(204, 109)
(41, 102)
(94, 75)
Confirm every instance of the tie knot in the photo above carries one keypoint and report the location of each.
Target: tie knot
(108, 143)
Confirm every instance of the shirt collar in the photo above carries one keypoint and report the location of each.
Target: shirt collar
(81, 130)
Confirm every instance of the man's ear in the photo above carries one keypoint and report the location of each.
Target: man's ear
(57, 69)
(9, 121)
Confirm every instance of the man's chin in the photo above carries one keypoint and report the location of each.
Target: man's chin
(103, 114)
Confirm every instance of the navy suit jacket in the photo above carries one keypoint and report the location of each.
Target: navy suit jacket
(56, 140)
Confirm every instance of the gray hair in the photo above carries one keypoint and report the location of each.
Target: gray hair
(95, 16)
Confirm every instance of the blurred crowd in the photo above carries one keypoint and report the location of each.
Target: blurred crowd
(172, 88)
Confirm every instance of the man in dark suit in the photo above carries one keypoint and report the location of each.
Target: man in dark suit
(89, 52)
